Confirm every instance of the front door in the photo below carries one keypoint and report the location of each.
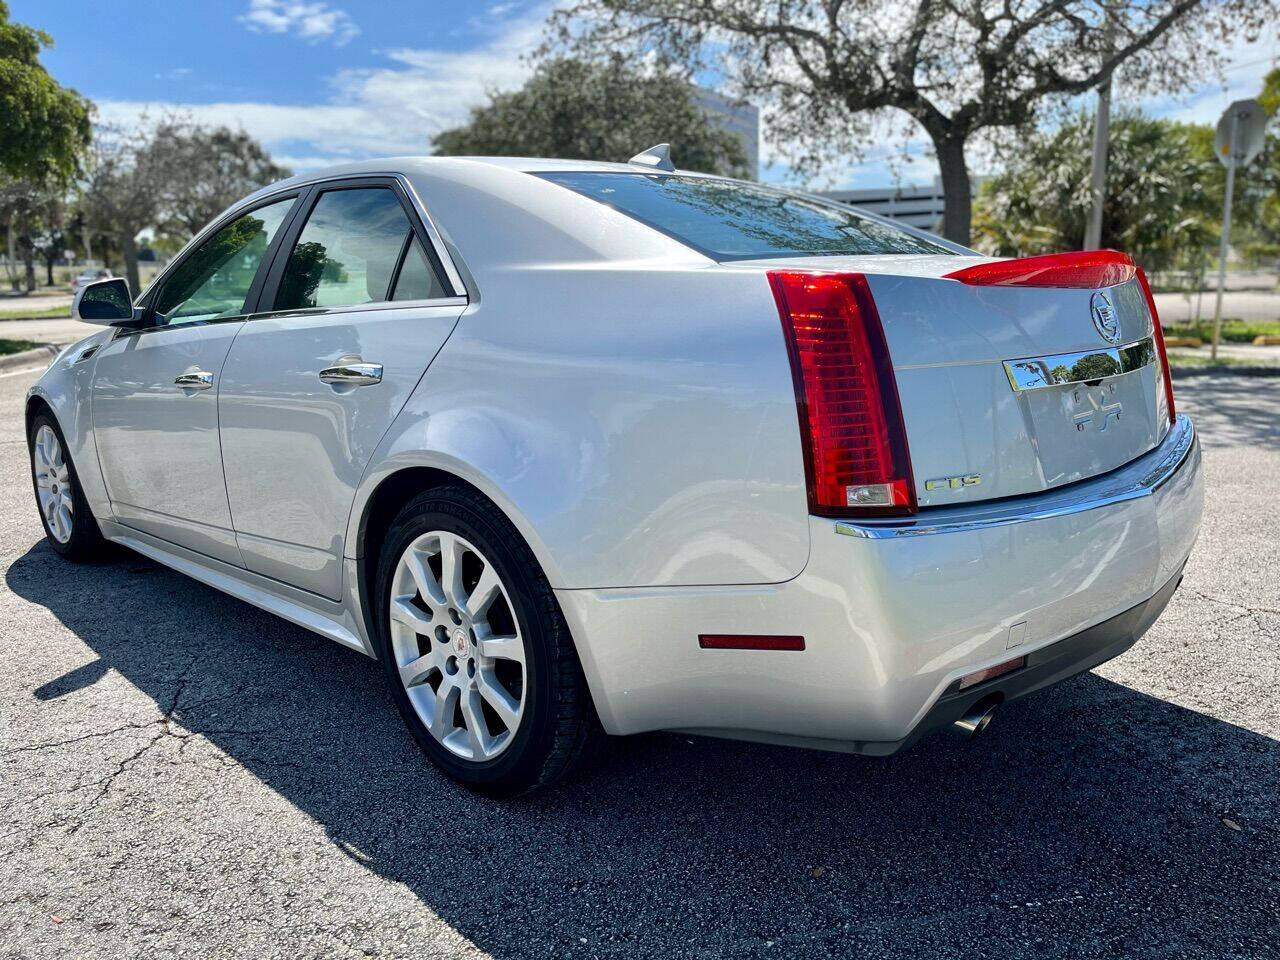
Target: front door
(309, 390)
(155, 390)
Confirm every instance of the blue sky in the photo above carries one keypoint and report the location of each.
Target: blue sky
(321, 81)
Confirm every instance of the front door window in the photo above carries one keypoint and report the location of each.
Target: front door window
(214, 281)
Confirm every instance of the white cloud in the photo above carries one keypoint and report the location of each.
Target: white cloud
(312, 22)
(396, 109)
(1249, 62)
(386, 111)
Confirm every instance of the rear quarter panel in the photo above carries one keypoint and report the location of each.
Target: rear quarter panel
(637, 422)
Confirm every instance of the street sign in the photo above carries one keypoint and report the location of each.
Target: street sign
(1250, 131)
(1239, 139)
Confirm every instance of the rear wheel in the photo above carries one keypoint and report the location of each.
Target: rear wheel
(476, 650)
(68, 524)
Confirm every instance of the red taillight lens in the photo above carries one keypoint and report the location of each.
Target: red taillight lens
(850, 419)
(1089, 269)
(1159, 335)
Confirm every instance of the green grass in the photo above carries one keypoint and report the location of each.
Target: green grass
(16, 346)
(1233, 331)
(37, 313)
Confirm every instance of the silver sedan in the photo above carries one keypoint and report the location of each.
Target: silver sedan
(584, 447)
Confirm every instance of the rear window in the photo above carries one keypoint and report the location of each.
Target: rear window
(732, 220)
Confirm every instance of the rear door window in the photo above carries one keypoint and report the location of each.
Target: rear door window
(348, 252)
(417, 279)
(732, 220)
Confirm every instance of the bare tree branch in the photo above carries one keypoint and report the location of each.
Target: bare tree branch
(956, 67)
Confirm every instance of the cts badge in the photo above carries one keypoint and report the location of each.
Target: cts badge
(953, 483)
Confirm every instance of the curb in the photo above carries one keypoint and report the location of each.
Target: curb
(1179, 373)
(28, 358)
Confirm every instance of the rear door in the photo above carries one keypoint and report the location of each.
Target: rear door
(353, 311)
(155, 389)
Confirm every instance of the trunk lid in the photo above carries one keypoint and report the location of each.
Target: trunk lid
(1010, 390)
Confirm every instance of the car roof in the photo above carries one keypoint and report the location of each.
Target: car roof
(454, 167)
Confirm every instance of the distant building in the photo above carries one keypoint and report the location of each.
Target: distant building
(741, 120)
(917, 206)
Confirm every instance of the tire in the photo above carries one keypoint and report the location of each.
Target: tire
(490, 685)
(69, 525)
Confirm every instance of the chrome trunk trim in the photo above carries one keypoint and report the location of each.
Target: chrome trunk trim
(1036, 373)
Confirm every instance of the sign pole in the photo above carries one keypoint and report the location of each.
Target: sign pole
(1226, 232)
(1101, 132)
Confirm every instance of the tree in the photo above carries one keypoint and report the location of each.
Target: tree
(834, 70)
(30, 212)
(1160, 196)
(120, 193)
(54, 239)
(581, 110)
(45, 127)
(173, 177)
(202, 171)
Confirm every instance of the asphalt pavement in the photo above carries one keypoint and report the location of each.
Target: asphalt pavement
(182, 775)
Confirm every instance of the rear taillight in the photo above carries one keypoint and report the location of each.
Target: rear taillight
(1158, 333)
(855, 446)
(1088, 269)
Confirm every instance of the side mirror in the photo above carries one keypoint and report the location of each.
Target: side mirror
(105, 302)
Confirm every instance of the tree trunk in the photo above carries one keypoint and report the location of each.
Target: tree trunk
(48, 268)
(130, 251)
(956, 188)
(11, 260)
(29, 261)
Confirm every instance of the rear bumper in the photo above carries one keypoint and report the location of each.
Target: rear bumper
(1044, 667)
(894, 613)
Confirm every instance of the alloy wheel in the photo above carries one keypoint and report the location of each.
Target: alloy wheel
(457, 645)
(53, 483)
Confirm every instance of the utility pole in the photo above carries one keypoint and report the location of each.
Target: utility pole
(1101, 133)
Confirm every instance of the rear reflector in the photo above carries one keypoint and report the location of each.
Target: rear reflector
(1158, 333)
(1089, 269)
(731, 641)
(855, 447)
(999, 670)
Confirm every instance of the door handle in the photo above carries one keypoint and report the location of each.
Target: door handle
(354, 373)
(198, 380)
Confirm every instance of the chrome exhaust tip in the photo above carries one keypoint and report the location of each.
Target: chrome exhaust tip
(975, 719)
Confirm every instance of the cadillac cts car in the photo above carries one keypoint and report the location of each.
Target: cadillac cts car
(575, 447)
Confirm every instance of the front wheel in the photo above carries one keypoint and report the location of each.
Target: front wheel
(476, 651)
(68, 524)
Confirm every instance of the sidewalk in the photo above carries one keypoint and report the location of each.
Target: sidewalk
(46, 331)
(1250, 305)
(36, 303)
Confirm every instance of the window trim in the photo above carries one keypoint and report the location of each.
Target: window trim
(148, 300)
(419, 217)
(311, 196)
(550, 176)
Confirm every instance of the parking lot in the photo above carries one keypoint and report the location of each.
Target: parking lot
(183, 775)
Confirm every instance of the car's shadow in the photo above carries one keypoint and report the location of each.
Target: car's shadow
(1090, 814)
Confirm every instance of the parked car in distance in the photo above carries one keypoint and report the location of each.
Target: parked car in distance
(86, 277)
(575, 447)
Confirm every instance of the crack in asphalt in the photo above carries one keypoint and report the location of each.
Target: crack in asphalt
(1238, 606)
